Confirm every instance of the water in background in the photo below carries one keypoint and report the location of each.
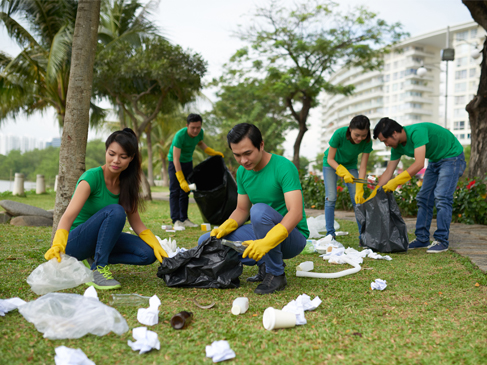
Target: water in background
(6, 185)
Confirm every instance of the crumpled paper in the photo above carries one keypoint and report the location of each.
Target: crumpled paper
(169, 245)
(300, 305)
(91, 293)
(336, 256)
(145, 340)
(150, 316)
(69, 356)
(220, 351)
(378, 284)
(7, 305)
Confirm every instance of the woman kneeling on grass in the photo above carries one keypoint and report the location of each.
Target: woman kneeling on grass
(104, 197)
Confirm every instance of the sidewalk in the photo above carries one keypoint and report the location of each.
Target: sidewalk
(466, 240)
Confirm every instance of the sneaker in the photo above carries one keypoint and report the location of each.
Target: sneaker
(271, 284)
(188, 223)
(417, 244)
(259, 276)
(437, 247)
(103, 279)
(178, 224)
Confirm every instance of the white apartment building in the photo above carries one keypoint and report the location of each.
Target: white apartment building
(398, 92)
(12, 142)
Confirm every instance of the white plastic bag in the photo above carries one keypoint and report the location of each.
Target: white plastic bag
(62, 315)
(318, 224)
(53, 276)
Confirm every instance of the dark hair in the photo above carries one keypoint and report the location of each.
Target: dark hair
(387, 127)
(359, 122)
(242, 130)
(194, 118)
(130, 177)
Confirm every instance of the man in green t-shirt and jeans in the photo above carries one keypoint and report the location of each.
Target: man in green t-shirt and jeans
(270, 192)
(181, 165)
(446, 165)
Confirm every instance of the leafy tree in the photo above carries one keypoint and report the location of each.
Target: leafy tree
(477, 107)
(298, 51)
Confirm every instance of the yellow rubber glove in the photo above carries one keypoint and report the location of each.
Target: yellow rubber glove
(359, 194)
(372, 194)
(343, 172)
(258, 248)
(398, 180)
(148, 237)
(210, 151)
(182, 181)
(58, 245)
(225, 228)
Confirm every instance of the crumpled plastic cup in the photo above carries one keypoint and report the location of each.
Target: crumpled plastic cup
(274, 319)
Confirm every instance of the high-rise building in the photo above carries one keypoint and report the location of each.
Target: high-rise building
(10, 142)
(399, 92)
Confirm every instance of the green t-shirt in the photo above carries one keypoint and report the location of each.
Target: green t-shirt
(347, 151)
(99, 197)
(186, 143)
(268, 186)
(440, 142)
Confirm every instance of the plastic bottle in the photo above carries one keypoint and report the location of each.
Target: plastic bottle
(128, 299)
(181, 320)
(240, 305)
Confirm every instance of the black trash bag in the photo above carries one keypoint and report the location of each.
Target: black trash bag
(216, 190)
(383, 229)
(209, 265)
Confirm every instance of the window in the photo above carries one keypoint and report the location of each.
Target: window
(460, 86)
(472, 84)
(417, 59)
(458, 126)
(410, 71)
(460, 100)
(420, 49)
(387, 78)
(394, 87)
(462, 136)
(469, 136)
(401, 74)
(462, 49)
(459, 113)
(462, 61)
(387, 67)
(473, 34)
(461, 74)
(460, 36)
(395, 65)
(394, 76)
(473, 72)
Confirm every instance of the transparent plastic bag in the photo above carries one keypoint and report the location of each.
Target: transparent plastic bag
(53, 276)
(63, 315)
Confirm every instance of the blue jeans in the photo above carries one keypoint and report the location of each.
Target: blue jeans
(101, 237)
(330, 177)
(263, 218)
(439, 183)
(178, 198)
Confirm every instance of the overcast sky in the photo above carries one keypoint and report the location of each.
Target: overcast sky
(205, 26)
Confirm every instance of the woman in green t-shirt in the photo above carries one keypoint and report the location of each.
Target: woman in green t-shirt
(91, 227)
(341, 159)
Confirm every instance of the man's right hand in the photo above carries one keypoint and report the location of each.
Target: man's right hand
(225, 229)
(182, 181)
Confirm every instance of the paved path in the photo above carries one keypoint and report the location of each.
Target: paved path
(467, 240)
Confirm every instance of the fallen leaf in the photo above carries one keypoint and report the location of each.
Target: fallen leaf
(477, 284)
(357, 334)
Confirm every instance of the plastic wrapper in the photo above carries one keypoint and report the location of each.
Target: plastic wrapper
(236, 245)
(318, 224)
(383, 229)
(52, 276)
(209, 265)
(216, 193)
(61, 315)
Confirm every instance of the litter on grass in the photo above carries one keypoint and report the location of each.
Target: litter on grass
(69, 356)
(170, 246)
(52, 275)
(317, 224)
(7, 305)
(220, 351)
(145, 340)
(150, 316)
(378, 284)
(300, 305)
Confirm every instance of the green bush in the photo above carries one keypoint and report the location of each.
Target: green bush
(314, 193)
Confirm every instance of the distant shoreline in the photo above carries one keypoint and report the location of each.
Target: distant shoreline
(6, 185)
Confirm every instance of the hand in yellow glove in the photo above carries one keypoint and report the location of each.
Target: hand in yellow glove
(225, 229)
(58, 245)
(258, 248)
(343, 172)
(210, 151)
(372, 194)
(398, 180)
(182, 181)
(148, 237)
(359, 194)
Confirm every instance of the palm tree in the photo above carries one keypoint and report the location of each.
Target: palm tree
(38, 77)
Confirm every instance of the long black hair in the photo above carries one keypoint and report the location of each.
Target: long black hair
(359, 122)
(130, 177)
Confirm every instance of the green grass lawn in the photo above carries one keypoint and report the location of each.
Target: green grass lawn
(432, 311)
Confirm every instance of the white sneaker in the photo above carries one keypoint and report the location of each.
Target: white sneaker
(188, 223)
(178, 224)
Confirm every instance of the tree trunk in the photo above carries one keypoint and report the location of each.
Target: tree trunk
(75, 132)
(150, 170)
(164, 172)
(301, 118)
(146, 193)
(477, 107)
